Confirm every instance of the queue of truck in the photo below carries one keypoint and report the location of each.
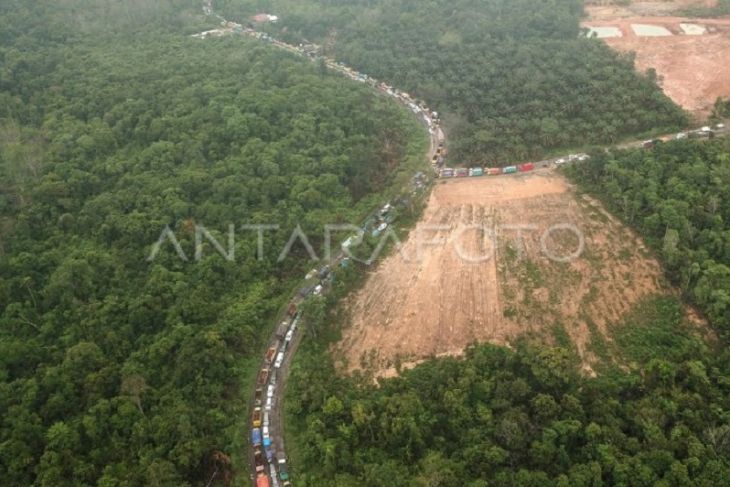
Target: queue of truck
(275, 356)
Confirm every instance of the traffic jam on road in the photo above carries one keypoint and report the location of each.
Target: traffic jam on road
(270, 465)
(276, 356)
(269, 459)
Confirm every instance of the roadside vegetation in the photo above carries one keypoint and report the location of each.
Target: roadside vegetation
(516, 417)
(676, 196)
(653, 414)
(119, 371)
(512, 79)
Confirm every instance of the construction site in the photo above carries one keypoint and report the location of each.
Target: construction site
(690, 55)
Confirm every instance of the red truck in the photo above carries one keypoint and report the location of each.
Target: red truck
(263, 377)
(271, 353)
(528, 166)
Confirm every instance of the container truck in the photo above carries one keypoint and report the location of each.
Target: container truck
(258, 460)
(493, 171)
(271, 353)
(509, 170)
(256, 437)
(528, 166)
(274, 480)
(258, 396)
(461, 172)
(279, 360)
(283, 327)
(281, 462)
(476, 171)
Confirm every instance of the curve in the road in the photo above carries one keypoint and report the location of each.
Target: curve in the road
(267, 455)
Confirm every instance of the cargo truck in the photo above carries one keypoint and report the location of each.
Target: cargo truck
(509, 170)
(476, 171)
(528, 166)
(281, 463)
(279, 360)
(272, 471)
(283, 327)
(256, 437)
(258, 460)
(256, 420)
(271, 353)
(258, 396)
(461, 172)
(493, 171)
(262, 481)
(263, 377)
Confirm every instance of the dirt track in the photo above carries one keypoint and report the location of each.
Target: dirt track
(428, 301)
(693, 69)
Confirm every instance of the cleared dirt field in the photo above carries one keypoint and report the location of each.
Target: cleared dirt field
(693, 68)
(467, 274)
(609, 10)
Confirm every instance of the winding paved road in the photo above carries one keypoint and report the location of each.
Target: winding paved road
(437, 136)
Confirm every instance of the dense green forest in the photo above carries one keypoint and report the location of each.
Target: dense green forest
(655, 415)
(676, 195)
(515, 418)
(512, 78)
(114, 124)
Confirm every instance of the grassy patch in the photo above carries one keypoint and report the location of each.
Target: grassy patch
(561, 336)
(598, 344)
(656, 329)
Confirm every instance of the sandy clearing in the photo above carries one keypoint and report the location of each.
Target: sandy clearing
(691, 63)
(693, 70)
(432, 302)
(606, 10)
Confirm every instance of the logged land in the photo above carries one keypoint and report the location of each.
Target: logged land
(690, 55)
(425, 300)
